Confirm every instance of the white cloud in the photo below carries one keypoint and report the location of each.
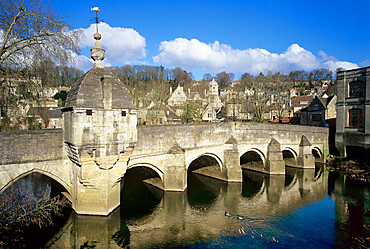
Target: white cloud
(332, 65)
(121, 45)
(80, 61)
(365, 63)
(216, 57)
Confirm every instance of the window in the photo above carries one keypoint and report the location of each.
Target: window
(123, 113)
(316, 117)
(356, 89)
(355, 117)
(89, 112)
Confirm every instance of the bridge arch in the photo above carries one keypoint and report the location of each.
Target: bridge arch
(317, 153)
(148, 165)
(289, 156)
(207, 164)
(211, 155)
(44, 172)
(255, 158)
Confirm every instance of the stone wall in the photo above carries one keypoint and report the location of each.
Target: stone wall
(30, 146)
(160, 138)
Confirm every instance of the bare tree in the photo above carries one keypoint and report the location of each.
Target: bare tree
(31, 30)
(224, 79)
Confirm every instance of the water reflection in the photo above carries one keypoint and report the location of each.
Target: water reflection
(137, 198)
(352, 217)
(36, 185)
(203, 191)
(294, 210)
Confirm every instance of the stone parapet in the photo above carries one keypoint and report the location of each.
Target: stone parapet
(31, 146)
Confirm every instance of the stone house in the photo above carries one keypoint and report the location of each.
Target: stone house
(213, 108)
(46, 118)
(319, 112)
(177, 97)
(211, 113)
(226, 93)
(300, 102)
(353, 112)
(159, 114)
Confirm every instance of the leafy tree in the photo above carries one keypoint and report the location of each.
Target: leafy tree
(61, 95)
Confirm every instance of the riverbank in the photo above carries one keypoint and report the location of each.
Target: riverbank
(353, 169)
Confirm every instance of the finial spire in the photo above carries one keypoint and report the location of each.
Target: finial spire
(97, 53)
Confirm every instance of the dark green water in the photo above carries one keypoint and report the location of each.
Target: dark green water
(303, 209)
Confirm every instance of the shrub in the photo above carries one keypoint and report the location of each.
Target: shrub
(20, 209)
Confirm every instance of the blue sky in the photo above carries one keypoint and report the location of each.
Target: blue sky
(235, 36)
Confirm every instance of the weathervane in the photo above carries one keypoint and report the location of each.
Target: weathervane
(96, 9)
(97, 53)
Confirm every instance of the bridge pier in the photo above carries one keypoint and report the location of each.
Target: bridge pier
(97, 189)
(275, 163)
(175, 178)
(305, 158)
(232, 161)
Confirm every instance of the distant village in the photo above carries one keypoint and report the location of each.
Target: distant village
(188, 101)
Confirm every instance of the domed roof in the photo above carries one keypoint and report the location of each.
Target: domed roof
(99, 88)
(213, 82)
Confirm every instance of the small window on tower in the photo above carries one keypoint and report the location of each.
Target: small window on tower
(123, 113)
(89, 112)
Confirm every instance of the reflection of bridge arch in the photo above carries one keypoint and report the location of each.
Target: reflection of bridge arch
(253, 156)
(290, 156)
(150, 166)
(43, 172)
(289, 185)
(254, 184)
(291, 178)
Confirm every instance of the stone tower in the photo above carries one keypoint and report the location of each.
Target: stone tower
(213, 88)
(99, 135)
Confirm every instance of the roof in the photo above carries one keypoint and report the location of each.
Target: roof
(99, 87)
(213, 82)
(296, 100)
(50, 112)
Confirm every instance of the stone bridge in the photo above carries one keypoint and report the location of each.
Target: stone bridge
(100, 141)
(218, 150)
(221, 150)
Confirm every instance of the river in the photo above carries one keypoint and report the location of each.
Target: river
(303, 209)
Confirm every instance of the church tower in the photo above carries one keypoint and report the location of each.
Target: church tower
(213, 88)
